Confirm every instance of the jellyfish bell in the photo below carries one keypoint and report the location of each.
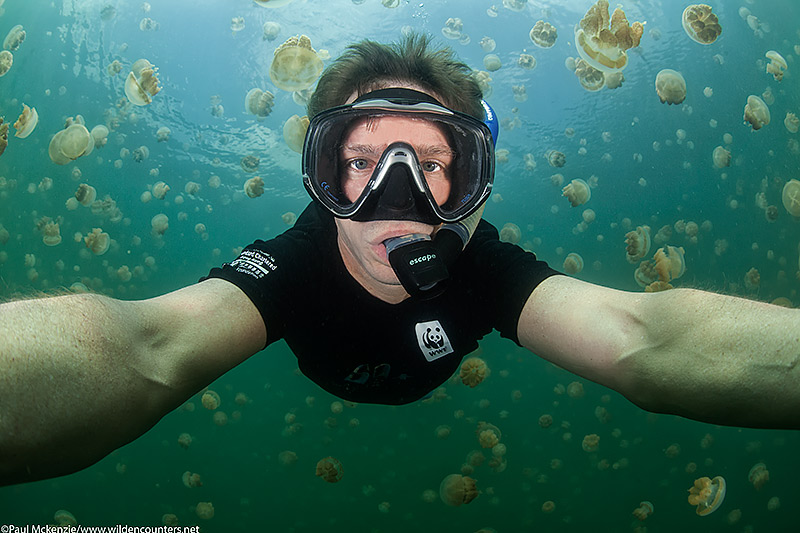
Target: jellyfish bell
(707, 494)
(295, 66)
(602, 41)
(329, 469)
(700, 24)
(254, 187)
(511, 233)
(543, 34)
(6, 60)
(488, 44)
(589, 77)
(97, 241)
(456, 490)
(258, 102)
(756, 112)
(26, 122)
(777, 65)
(142, 83)
(791, 197)
(99, 135)
(86, 194)
(637, 244)
(14, 38)
(669, 263)
(721, 157)
(791, 122)
(294, 132)
(577, 192)
(670, 86)
(473, 371)
(573, 263)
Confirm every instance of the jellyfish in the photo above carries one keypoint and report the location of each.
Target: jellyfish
(296, 65)
(573, 264)
(191, 480)
(148, 24)
(294, 132)
(184, 440)
(141, 153)
(548, 507)
(721, 157)
(237, 24)
(86, 194)
(511, 233)
(577, 192)
(272, 3)
(3, 136)
(51, 235)
(204, 510)
(670, 86)
(590, 442)
(644, 510)
(162, 134)
(159, 224)
(64, 518)
(614, 80)
(289, 218)
(589, 77)
(526, 61)
(488, 44)
(707, 494)
(14, 38)
(258, 102)
(555, 158)
(329, 469)
(791, 122)
(6, 60)
(250, 163)
(456, 490)
(543, 34)
(491, 62)
(99, 135)
(26, 122)
(669, 263)
(390, 3)
(756, 112)
(602, 40)
(210, 400)
(758, 475)
(254, 187)
(791, 197)
(776, 66)
(160, 190)
(700, 24)
(452, 28)
(142, 83)
(287, 458)
(473, 371)
(191, 188)
(97, 241)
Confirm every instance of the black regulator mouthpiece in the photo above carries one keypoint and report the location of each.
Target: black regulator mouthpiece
(421, 263)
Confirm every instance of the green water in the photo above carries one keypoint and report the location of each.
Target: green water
(393, 454)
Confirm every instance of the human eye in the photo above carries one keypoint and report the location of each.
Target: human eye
(357, 164)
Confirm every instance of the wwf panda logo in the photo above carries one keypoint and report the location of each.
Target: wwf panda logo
(433, 340)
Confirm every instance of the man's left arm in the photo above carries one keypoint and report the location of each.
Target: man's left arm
(701, 355)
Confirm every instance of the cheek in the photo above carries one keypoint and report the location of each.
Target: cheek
(353, 189)
(440, 189)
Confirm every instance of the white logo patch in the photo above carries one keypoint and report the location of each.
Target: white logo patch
(254, 263)
(432, 340)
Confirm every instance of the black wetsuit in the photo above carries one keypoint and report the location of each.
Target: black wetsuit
(360, 348)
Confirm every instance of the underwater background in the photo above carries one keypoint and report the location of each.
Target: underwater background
(648, 163)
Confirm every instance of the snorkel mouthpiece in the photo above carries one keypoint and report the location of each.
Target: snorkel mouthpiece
(417, 263)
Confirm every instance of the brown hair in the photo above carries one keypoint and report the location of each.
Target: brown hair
(369, 65)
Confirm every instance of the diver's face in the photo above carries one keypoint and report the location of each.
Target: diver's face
(361, 243)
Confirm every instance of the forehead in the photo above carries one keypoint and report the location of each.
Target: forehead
(390, 128)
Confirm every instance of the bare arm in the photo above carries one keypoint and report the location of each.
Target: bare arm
(82, 375)
(701, 355)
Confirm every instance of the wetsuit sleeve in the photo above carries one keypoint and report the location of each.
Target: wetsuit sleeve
(507, 274)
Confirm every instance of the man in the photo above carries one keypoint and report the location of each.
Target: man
(384, 283)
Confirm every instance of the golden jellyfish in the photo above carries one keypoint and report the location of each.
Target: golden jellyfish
(473, 371)
(169, 519)
(575, 390)
(296, 65)
(707, 494)
(644, 510)
(184, 440)
(250, 163)
(86, 194)
(791, 197)
(756, 112)
(590, 78)
(590, 442)
(669, 263)
(142, 83)
(329, 469)
(549, 506)
(491, 62)
(97, 241)
(258, 102)
(160, 190)
(3, 136)
(488, 44)
(700, 24)
(159, 224)
(456, 490)
(204, 510)
(70, 144)
(294, 132)
(543, 34)
(114, 68)
(26, 122)
(162, 134)
(776, 66)
(602, 40)
(99, 135)
(721, 157)
(758, 475)
(64, 518)
(791, 122)
(577, 192)
(210, 400)
(452, 28)
(254, 187)
(515, 5)
(637, 244)
(526, 61)
(670, 86)
(270, 31)
(511, 233)
(289, 218)
(14, 38)
(220, 418)
(51, 235)
(573, 263)
(555, 158)
(6, 61)
(488, 438)
(390, 3)
(545, 421)
(191, 480)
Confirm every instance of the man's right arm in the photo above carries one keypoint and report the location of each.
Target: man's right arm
(83, 374)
